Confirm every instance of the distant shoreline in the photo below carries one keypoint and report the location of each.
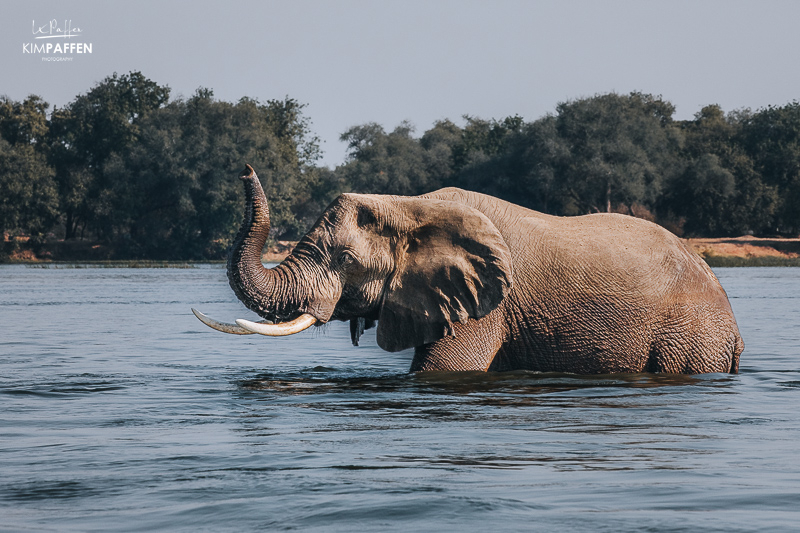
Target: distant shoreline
(717, 252)
(747, 251)
(88, 252)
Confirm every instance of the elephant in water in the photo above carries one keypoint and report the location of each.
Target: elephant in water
(472, 282)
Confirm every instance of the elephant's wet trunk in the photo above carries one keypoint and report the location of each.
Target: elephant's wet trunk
(272, 293)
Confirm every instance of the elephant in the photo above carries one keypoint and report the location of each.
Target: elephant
(475, 283)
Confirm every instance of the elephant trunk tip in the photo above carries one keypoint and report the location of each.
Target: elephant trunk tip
(248, 172)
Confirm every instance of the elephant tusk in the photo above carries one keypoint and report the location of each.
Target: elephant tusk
(279, 330)
(221, 326)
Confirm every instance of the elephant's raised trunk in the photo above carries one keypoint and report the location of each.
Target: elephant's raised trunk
(272, 293)
(246, 273)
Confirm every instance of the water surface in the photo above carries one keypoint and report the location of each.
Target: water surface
(121, 411)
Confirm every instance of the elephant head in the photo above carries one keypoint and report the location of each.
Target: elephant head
(415, 265)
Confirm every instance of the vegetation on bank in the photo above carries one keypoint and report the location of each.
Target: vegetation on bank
(720, 252)
(747, 251)
(125, 172)
(715, 261)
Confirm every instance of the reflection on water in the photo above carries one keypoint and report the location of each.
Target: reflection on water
(122, 412)
(505, 388)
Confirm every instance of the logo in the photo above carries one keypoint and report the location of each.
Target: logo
(53, 41)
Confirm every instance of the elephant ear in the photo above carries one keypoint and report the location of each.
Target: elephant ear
(451, 264)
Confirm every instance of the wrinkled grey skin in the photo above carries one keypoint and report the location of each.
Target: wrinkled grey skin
(475, 283)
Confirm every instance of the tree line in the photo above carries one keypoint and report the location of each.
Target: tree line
(147, 176)
(720, 174)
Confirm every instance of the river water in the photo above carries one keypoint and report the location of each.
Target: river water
(122, 412)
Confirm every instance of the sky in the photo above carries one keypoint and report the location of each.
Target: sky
(358, 61)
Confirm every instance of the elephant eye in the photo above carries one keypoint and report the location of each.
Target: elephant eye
(345, 258)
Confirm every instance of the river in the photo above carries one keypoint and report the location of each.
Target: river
(122, 412)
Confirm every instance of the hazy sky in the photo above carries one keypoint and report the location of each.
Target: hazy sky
(359, 61)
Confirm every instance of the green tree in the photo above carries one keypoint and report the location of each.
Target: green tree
(378, 162)
(85, 135)
(24, 123)
(480, 158)
(482, 139)
(702, 194)
(28, 198)
(719, 192)
(439, 145)
(621, 149)
(179, 196)
(771, 137)
(536, 162)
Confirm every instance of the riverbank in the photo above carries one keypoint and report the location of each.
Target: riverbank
(748, 251)
(728, 251)
(92, 252)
